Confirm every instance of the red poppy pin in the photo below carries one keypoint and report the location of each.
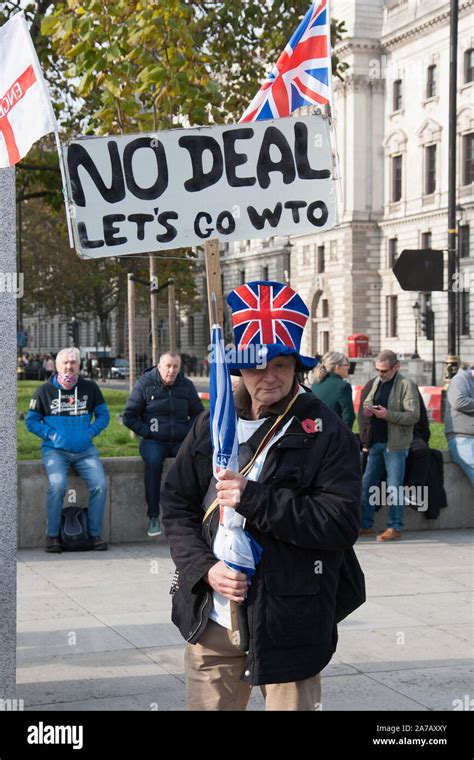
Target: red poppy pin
(309, 426)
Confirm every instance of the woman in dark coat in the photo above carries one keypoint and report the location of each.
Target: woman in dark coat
(331, 388)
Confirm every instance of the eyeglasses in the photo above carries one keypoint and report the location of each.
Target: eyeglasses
(384, 371)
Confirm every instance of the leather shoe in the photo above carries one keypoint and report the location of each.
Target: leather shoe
(97, 544)
(367, 532)
(389, 535)
(53, 545)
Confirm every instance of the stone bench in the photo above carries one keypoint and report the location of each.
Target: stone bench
(125, 518)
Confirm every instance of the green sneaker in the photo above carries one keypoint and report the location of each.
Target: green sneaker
(154, 527)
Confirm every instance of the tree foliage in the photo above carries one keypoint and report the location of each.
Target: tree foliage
(141, 65)
(123, 66)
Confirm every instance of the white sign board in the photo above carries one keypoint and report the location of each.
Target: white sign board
(149, 192)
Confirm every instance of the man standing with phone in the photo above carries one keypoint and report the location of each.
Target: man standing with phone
(394, 408)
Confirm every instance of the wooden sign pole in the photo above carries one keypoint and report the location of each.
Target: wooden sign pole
(154, 310)
(213, 279)
(131, 330)
(172, 315)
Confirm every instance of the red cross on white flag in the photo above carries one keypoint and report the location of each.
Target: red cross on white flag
(26, 113)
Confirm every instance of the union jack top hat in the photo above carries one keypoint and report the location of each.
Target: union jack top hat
(268, 320)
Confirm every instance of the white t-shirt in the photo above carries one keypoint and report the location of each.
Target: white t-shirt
(220, 612)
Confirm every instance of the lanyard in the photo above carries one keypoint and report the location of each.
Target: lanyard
(245, 470)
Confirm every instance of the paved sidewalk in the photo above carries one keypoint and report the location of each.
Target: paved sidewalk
(94, 630)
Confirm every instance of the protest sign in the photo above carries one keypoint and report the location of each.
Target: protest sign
(147, 192)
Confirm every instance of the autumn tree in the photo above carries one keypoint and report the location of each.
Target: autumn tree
(122, 66)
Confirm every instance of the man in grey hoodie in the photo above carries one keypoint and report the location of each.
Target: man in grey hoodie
(459, 420)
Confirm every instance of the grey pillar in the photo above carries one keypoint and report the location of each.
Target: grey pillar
(8, 288)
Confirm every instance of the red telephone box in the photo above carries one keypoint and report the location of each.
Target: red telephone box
(358, 345)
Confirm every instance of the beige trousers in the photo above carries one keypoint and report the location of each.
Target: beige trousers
(213, 668)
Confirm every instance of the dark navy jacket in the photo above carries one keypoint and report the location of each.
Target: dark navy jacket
(159, 411)
(67, 415)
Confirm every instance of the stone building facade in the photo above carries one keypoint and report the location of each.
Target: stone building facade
(391, 117)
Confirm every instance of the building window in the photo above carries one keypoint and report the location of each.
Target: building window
(463, 241)
(397, 95)
(287, 267)
(320, 256)
(468, 159)
(324, 342)
(425, 240)
(392, 251)
(432, 81)
(242, 276)
(464, 312)
(391, 314)
(396, 179)
(469, 66)
(430, 169)
(325, 308)
(191, 331)
(265, 273)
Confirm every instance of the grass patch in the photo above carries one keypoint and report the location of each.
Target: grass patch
(117, 440)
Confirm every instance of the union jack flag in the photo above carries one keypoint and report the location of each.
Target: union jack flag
(302, 75)
(223, 419)
(266, 314)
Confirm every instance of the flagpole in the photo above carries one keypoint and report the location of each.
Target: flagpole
(65, 193)
(214, 315)
(332, 124)
(328, 16)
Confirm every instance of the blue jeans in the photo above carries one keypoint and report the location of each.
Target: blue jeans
(87, 464)
(393, 463)
(154, 454)
(461, 448)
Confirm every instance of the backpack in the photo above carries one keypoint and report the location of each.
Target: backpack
(74, 535)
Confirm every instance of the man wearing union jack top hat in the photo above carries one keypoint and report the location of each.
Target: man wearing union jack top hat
(298, 493)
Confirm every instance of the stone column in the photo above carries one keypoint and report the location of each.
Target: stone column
(8, 481)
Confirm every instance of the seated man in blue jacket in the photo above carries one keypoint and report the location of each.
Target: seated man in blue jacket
(61, 413)
(161, 409)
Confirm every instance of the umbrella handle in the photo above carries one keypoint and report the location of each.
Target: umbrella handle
(243, 624)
